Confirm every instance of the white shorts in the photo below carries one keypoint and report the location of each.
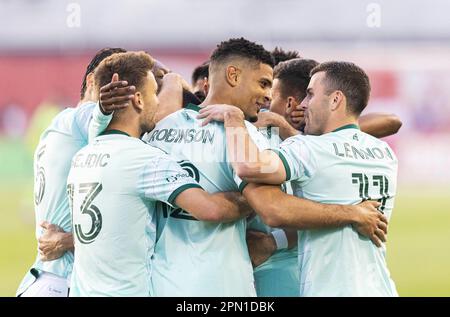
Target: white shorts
(48, 285)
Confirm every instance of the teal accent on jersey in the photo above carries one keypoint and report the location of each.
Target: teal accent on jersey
(67, 133)
(278, 276)
(109, 132)
(348, 126)
(191, 106)
(175, 193)
(114, 184)
(197, 258)
(242, 186)
(285, 163)
(342, 167)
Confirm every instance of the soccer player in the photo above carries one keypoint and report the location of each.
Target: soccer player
(334, 163)
(195, 258)
(67, 133)
(59, 142)
(114, 222)
(278, 276)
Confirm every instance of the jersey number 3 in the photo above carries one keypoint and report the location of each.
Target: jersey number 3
(87, 208)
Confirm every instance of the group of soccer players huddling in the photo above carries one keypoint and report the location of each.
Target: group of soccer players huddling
(260, 179)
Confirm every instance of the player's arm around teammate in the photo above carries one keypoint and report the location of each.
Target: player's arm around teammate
(267, 167)
(380, 124)
(217, 207)
(377, 124)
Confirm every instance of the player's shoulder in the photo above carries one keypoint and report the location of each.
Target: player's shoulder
(144, 150)
(373, 142)
(180, 117)
(300, 139)
(63, 120)
(85, 108)
(137, 152)
(188, 113)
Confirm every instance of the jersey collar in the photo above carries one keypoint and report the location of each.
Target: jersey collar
(191, 106)
(107, 132)
(348, 126)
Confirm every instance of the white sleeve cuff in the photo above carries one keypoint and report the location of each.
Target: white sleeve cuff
(280, 239)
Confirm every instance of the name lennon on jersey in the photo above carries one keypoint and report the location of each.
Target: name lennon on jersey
(350, 151)
(182, 135)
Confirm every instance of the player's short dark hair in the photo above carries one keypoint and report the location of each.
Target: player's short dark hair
(100, 56)
(200, 72)
(294, 76)
(240, 48)
(348, 78)
(279, 55)
(131, 66)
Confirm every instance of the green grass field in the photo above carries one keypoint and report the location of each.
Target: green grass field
(418, 240)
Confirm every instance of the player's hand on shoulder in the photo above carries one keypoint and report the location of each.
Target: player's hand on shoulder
(267, 118)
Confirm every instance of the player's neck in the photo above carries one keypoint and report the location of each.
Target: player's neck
(336, 124)
(131, 130)
(215, 97)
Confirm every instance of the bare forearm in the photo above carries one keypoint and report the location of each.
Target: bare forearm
(248, 162)
(380, 125)
(278, 209)
(232, 205)
(242, 149)
(217, 207)
(285, 129)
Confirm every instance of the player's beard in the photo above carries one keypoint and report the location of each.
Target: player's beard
(147, 124)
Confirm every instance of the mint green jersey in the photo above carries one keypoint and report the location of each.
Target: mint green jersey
(197, 258)
(113, 185)
(341, 167)
(278, 276)
(67, 133)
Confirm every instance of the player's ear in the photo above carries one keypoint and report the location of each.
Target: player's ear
(337, 100)
(291, 104)
(90, 80)
(205, 86)
(233, 75)
(138, 101)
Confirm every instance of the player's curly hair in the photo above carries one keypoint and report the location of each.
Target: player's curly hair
(294, 76)
(241, 47)
(279, 55)
(96, 60)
